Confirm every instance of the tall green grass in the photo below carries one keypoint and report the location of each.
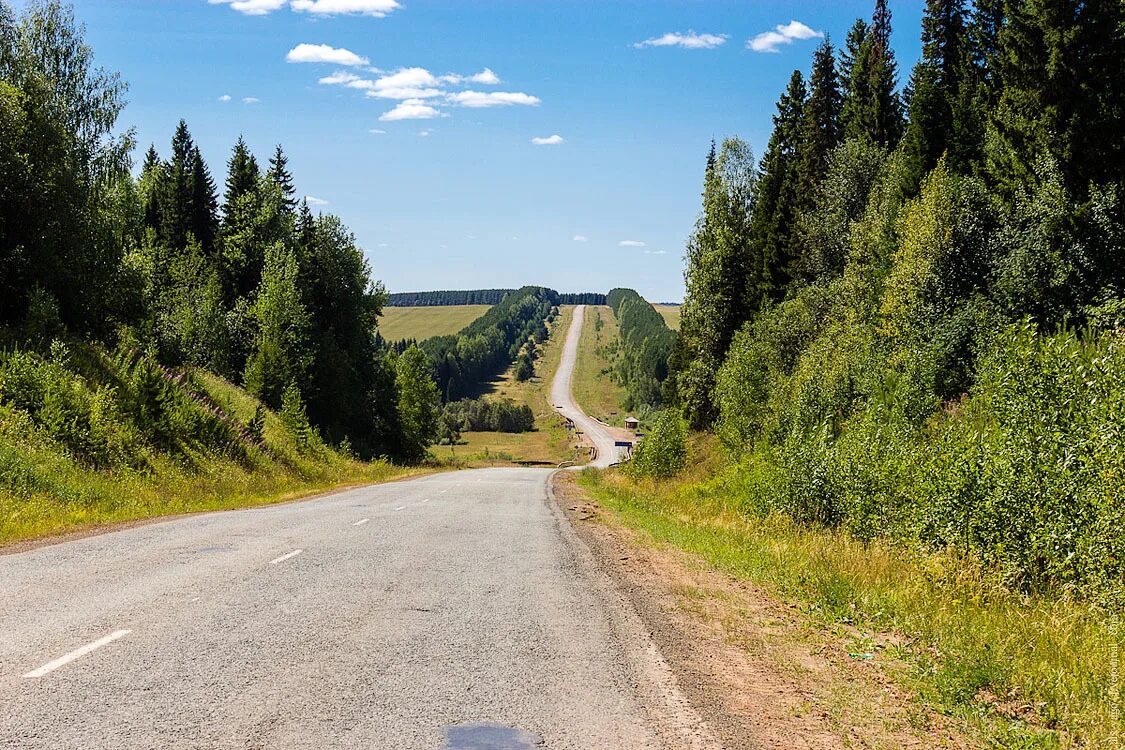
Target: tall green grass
(89, 437)
(1020, 670)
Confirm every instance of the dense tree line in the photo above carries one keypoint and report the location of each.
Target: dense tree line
(447, 297)
(645, 345)
(248, 284)
(479, 297)
(492, 342)
(871, 312)
(486, 415)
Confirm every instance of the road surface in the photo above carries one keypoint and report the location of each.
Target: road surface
(563, 399)
(457, 610)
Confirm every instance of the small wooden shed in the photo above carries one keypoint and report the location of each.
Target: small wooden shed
(632, 423)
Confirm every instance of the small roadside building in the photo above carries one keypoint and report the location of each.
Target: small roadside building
(632, 423)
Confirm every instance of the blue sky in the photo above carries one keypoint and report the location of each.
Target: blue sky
(465, 198)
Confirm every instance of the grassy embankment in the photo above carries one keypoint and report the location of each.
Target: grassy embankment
(86, 440)
(1016, 671)
(549, 442)
(671, 315)
(594, 390)
(397, 323)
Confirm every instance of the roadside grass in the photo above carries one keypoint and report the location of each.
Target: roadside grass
(671, 315)
(45, 491)
(593, 388)
(1017, 671)
(397, 323)
(549, 443)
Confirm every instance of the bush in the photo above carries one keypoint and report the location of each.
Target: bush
(662, 453)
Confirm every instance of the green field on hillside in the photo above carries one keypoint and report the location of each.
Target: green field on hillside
(671, 315)
(420, 323)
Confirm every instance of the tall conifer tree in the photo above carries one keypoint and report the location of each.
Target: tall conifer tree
(776, 208)
(280, 174)
(822, 130)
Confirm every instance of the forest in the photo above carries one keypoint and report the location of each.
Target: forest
(905, 320)
(641, 364)
(508, 332)
(242, 281)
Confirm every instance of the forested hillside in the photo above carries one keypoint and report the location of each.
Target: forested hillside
(506, 333)
(905, 319)
(645, 344)
(122, 298)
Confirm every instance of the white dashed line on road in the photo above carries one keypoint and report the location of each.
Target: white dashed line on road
(286, 556)
(401, 507)
(361, 521)
(77, 653)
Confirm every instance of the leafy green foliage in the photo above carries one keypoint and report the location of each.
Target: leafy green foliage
(419, 402)
(485, 415)
(662, 452)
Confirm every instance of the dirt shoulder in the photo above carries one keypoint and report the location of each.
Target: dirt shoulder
(760, 673)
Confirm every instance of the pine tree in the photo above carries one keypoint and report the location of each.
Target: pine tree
(822, 132)
(242, 177)
(204, 203)
(938, 106)
(776, 208)
(279, 173)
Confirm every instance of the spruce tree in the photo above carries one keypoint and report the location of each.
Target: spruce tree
(279, 173)
(178, 209)
(873, 107)
(242, 177)
(776, 208)
(822, 130)
(150, 189)
(1060, 65)
(939, 101)
(854, 74)
(204, 203)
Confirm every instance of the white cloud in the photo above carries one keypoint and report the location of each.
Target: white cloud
(377, 8)
(377, 131)
(486, 77)
(411, 109)
(424, 133)
(322, 53)
(656, 252)
(404, 83)
(405, 93)
(581, 238)
(224, 98)
(477, 99)
(250, 100)
(339, 78)
(251, 7)
(551, 140)
(690, 40)
(314, 201)
(786, 33)
(631, 243)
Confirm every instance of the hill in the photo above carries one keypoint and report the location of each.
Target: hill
(419, 323)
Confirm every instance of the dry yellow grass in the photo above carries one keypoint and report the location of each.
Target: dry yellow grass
(671, 315)
(593, 388)
(419, 323)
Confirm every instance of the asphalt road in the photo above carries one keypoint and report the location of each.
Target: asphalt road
(563, 399)
(457, 610)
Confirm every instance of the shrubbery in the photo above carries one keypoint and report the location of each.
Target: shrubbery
(662, 452)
